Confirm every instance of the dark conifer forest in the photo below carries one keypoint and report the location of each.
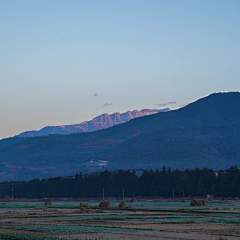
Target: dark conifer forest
(150, 183)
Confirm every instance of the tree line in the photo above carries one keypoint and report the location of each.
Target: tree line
(164, 183)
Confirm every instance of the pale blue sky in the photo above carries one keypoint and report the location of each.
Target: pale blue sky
(55, 55)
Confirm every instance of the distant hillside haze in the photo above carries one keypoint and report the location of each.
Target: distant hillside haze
(101, 122)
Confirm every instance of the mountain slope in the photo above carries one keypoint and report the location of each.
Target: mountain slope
(215, 146)
(9, 141)
(204, 133)
(101, 122)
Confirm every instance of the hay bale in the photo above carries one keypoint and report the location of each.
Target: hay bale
(193, 202)
(104, 204)
(86, 205)
(121, 204)
(199, 203)
(48, 201)
(133, 200)
(83, 207)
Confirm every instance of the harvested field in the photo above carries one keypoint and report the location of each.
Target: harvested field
(143, 220)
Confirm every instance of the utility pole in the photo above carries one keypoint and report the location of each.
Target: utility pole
(173, 193)
(183, 194)
(103, 194)
(12, 192)
(123, 193)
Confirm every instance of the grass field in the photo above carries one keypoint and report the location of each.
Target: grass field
(141, 220)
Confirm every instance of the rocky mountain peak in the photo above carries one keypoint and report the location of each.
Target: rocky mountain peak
(100, 122)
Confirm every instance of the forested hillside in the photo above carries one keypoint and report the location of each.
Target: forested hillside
(205, 133)
(9, 141)
(185, 147)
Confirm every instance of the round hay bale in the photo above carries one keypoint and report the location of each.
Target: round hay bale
(133, 200)
(86, 205)
(201, 203)
(81, 206)
(121, 204)
(193, 202)
(48, 201)
(104, 204)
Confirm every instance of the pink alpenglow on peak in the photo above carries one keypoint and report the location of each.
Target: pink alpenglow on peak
(101, 122)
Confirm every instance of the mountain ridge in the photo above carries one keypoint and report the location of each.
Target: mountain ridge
(100, 122)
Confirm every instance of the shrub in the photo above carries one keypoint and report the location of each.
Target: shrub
(133, 200)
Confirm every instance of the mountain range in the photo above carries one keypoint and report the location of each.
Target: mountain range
(103, 121)
(205, 133)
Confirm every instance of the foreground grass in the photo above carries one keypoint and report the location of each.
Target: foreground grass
(28, 237)
(79, 228)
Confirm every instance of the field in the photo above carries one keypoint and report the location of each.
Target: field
(140, 220)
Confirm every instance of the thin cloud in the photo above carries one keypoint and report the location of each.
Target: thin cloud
(96, 95)
(164, 104)
(107, 104)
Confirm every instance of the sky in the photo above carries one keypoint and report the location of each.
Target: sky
(65, 61)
